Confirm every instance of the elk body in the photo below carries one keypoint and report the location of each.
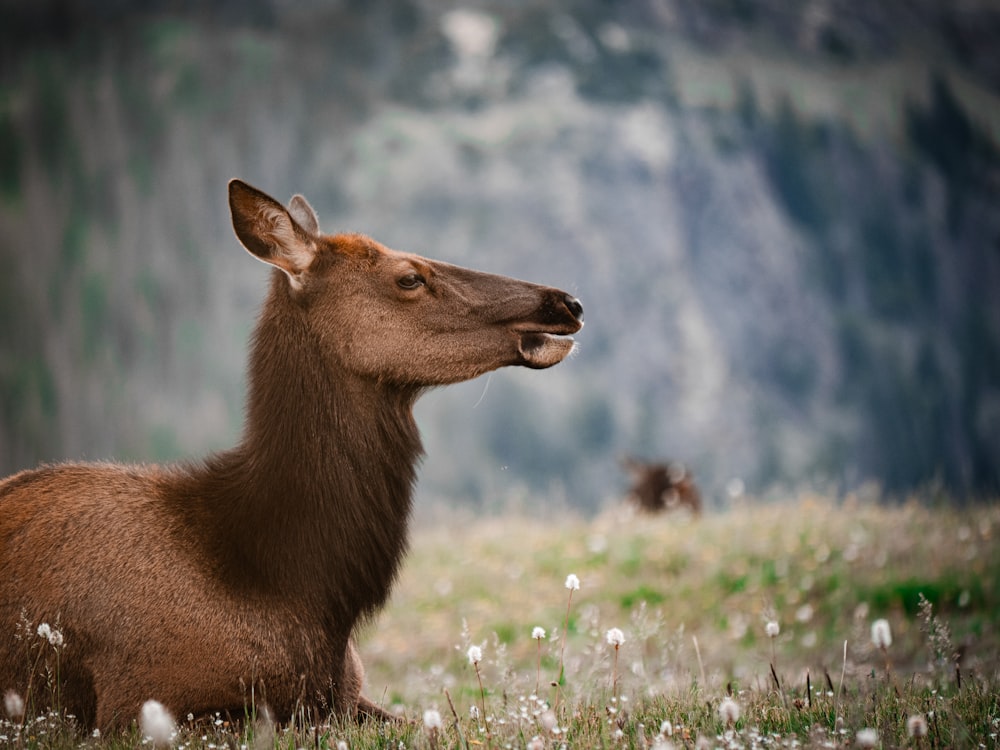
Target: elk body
(200, 584)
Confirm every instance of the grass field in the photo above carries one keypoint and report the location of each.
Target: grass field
(695, 665)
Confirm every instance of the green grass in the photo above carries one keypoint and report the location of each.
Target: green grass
(692, 597)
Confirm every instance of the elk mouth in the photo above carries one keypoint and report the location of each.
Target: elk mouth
(547, 341)
(541, 349)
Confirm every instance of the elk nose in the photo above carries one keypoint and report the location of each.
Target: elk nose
(574, 306)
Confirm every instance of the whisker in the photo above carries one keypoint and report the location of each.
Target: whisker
(486, 387)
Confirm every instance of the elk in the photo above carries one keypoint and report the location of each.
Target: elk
(657, 487)
(198, 583)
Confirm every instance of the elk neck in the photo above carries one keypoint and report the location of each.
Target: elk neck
(316, 498)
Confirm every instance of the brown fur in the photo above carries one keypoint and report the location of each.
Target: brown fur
(192, 584)
(657, 487)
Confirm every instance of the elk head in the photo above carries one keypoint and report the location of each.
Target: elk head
(396, 317)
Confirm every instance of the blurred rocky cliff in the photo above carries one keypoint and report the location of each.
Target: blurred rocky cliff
(783, 221)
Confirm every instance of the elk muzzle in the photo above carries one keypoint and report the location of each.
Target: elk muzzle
(546, 341)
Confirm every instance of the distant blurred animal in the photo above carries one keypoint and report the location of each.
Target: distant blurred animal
(658, 487)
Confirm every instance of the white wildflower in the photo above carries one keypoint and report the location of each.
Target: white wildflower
(13, 704)
(538, 633)
(432, 719)
(473, 711)
(53, 636)
(881, 634)
(615, 637)
(729, 711)
(475, 654)
(867, 737)
(572, 582)
(772, 629)
(549, 721)
(666, 728)
(916, 726)
(156, 723)
(342, 745)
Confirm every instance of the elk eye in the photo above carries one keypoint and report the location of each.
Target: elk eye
(411, 281)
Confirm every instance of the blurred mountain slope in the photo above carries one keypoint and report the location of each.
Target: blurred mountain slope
(783, 223)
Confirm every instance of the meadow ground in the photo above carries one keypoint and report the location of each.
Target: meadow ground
(751, 627)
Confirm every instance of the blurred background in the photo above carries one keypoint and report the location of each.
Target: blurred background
(783, 220)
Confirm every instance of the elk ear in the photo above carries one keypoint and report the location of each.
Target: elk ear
(303, 213)
(269, 232)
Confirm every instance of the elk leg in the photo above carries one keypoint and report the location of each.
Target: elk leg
(368, 711)
(361, 707)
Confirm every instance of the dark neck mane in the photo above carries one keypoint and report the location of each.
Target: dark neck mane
(315, 500)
